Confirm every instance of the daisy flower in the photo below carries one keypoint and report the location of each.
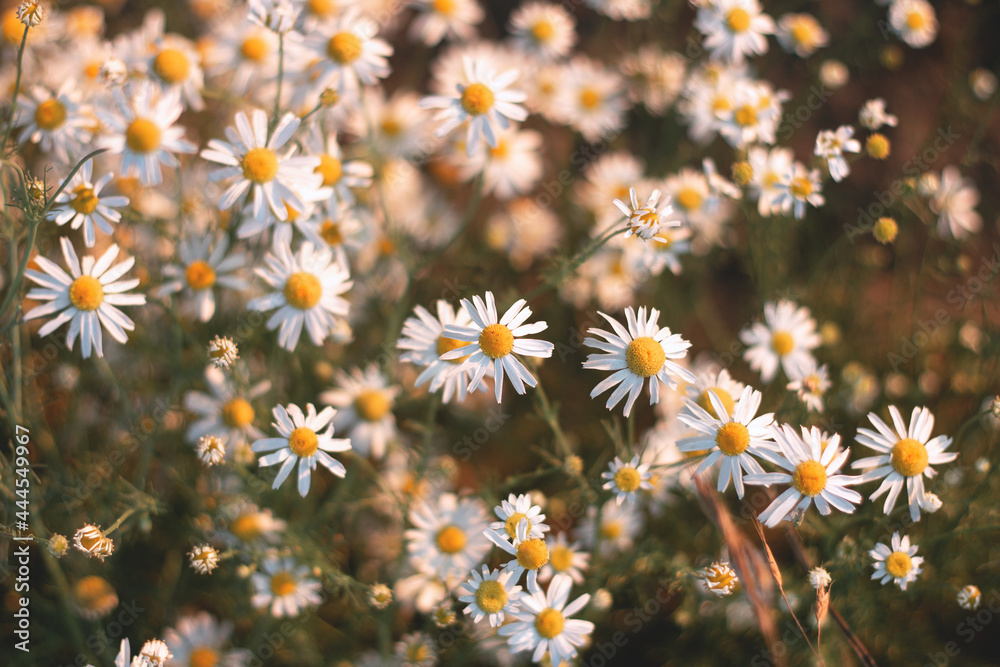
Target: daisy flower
(904, 455)
(543, 29)
(397, 126)
(524, 231)
(785, 338)
(451, 19)
(591, 98)
(511, 168)
(273, 180)
(954, 200)
(831, 146)
(642, 351)
(914, 21)
(734, 29)
(447, 539)
(969, 597)
(812, 462)
(873, 115)
(86, 297)
(244, 54)
(224, 412)
(625, 479)
(770, 167)
(615, 530)
(302, 440)
(197, 640)
(752, 116)
(202, 269)
(801, 34)
(81, 204)
(154, 653)
(424, 341)
(564, 558)
(720, 579)
(736, 438)
(810, 383)
(142, 130)
(655, 77)
(339, 175)
(485, 103)
(490, 594)
(530, 553)
(645, 221)
(309, 284)
(364, 409)
(415, 650)
(204, 559)
(349, 55)
(58, 123)
(719, 382)
(176, 66)
(284, 587)
(622, 10)
(495, 341)
(544, 625)
(899, 563)
(515, 508)
(249, 525)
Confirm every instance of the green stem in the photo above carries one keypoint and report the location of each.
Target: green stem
(574, 263)
(17, 89)
(117, 524)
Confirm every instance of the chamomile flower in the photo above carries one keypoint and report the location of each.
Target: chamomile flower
(349, 55)
(197, 640)
(904, 456)
(92, 541)
(303, 440)
(647, 220)
(490, 594)
(493, 340)
(87, 297)
(204, 558)
(954, 200)
(812, 462)
(309, 284)
(969, 597)
(415, 650)
(564, 558)
(735, 438)
(873, 115)
(770, 167)
(752, 114)
(447, 537)
(58, 122)
(445, 19)
(734, 29)
(339, 175)
(655, 77)
(819, 578)
(785, 339)
(81, 204)
(831, 146)
(243, 54)
(801, 34)
(142, 130)
(800, 187)
(544, 625)
(810, 383)
(284, 588)
(154, 653)
(364, 409)
(719, 382)
(515, 508)
(202, 270)
(615, 530)
(640, 352)
(530, 553)
(592, 99)
(898, 564)
(720, 579)
(914, 21)
(224, 412)
(625, 479)
(485, 104)
(510, 168)
(176, 66)
(543, 29)
(275, 181)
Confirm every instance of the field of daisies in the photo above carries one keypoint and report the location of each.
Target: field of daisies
(473, 332)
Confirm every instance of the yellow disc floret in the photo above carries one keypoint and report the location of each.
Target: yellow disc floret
(645, 356)
(689, 199)
(724, 396)
(491, 596)
(738, 19)
(449, 344)
(260, 165)
(782, 343)
(50, 114)
(372, 405)
(303, 290)
(532, 554)
(451, 539)
(203, 656)
(200, 275)
(303, 442)
(898, 564)
(909, 457)
(283, 583)
(86, 293)
(237, 413)
(344, 48)
(801, 187)
(561, 557)
(590, 98)
(84, 201)
(628, 479)
(254, 49)
(143, 135)
(809, 478)
(733, 438)
(510, 525)
(477, 99)
(542, 31)
(330, 168)
(549, 623)
(496, 341)
(746, 115)
(172, 65)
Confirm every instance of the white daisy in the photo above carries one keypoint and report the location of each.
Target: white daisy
(625, 479)
(349, 55)
(969, 597)
(176, 66)
(415, 650)
(224, 412)
(510, 168)
(302, 440)
(197, 640)
(616, 529)
(284, 587)
(725, 388)
(720, 579)
(751, 115)
(831, 146)
(339, 175)
(647, 220)
(770, 167)
(914, 21)
(515, 508)
(485, 103)
(447, 539)
(309, 285)
(530, 553)
(81, 203)
(812, 462)
(445, 19)
(904, 455)
(490, 594)
(86, 297)
(544, 625)
(564, 558)
(364, 403)
(202, 269)
(799, 187)
(58, 123)
(496, 340)
(642, 351)
(785, 338)
(591, 98)
(954, 200)
(142, 130)
(801, 34)
(734, 29)
(810, 383)
(543, 29)
(243, 55)
(873, 115)
(736, 438)
(899, 563)
(154, 653)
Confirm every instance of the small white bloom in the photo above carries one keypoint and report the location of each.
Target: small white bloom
(898, 564)
(873, 115)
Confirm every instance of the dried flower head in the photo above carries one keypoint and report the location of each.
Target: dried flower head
(204, 559)
(819, 578)
(58, 545)
(969, 597)
(223, 351)
(444, 615)
(211, 450)
(31, 13)
(380, 596)
(93, 542)
(154, 653)
(720, 579)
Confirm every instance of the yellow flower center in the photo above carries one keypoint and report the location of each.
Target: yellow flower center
(532, 554)
(330, 231)
(746, 115)
(782, 343)
(260, 165)
(738, 19)
(303, 442)
(898, 564)
(282, 584)
(499, 151)
(91, 539)
(645, 356)
(451, 539)
(909, 457)
(809, 478)
(391, 127)
(804, 34)
(877, 146)
(344, 47)
(90, 592)
(86, 293)
(721, 576)
(143, 135)
(561, 557)
(203, 657)
(496, 341)
(722, 395)
(322, 7)
(330, 168)
(610, 530)
(542, 31)
(92, 70)
(628, 479)
(247, 527)
(916, 21)
(549, 623)
(510, 525)
(590, 99)
(85, 201)
(50, 114)
(237, 413)
(372, 405)
(254, 48)
(733, 438)
(303, 290)
(172, 65)
(449, 344)
(477, 99)
(491, 596)
(445, 7)
(801, 187)
(721, 104)
(200, 275)
(689, 199)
